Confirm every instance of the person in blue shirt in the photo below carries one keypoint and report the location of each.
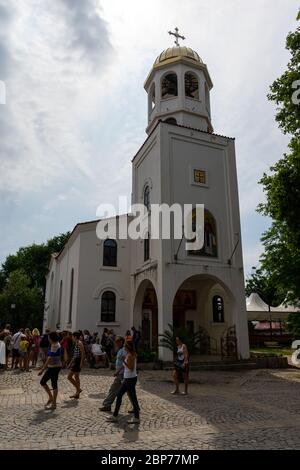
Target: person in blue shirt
(119, 375)
(52, 367)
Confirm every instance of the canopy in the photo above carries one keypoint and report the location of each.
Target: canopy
(257, 309)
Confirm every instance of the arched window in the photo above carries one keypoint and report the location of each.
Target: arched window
(146, 198)
(108, 306)
(152, 97)
(169, 87)
(210, 236)
(191, 85)
(60, 301)
(110, 249)
(218, 309)
(171, 120)
(71, 296)
(147, 247)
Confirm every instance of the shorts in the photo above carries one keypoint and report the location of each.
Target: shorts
(15, 353)
(76, 365)
(182, 371)
(23, 354)
(51, 374)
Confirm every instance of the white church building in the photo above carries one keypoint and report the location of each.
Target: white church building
(153, 283)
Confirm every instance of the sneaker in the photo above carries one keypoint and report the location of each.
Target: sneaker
(174, 392)
(133, 421)
(112, 419)
(105, 408)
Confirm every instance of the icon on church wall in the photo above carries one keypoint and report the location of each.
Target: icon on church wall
(185, 298)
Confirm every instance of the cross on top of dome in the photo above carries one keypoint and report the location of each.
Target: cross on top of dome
(177, 35)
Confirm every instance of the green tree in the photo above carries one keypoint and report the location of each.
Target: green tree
(265, 285)
(20, 304)
(281, 241)
(23, 280)
(33, 260)
(293, 325)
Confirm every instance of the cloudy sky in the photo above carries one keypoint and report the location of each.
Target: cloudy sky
(75, 111)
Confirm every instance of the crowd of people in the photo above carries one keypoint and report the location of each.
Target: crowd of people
(24, 348)
(55, 350)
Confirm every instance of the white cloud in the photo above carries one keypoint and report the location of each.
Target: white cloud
(49, 58)
(76, 108)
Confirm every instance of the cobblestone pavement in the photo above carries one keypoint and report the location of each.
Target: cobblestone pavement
(257, 409)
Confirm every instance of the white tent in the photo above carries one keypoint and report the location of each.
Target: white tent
(258, 310)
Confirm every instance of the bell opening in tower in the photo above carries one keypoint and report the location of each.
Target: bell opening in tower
(169, 86)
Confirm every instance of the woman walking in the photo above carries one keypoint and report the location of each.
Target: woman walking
(181, 367)
(52, 367)
(76, 364)
(128, 385)
(35, 347)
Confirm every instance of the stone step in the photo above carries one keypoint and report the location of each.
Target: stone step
(225, 366)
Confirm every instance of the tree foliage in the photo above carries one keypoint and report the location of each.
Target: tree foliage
(21, 304)
(266, 286)
(293, 325)
(34, 260)
(23, 280)
(281, 257)
(168, 339)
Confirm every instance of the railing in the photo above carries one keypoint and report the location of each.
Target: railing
(229, 343)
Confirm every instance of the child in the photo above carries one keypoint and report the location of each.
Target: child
(23, 350)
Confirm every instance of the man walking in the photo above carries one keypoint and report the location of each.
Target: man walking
(119, 374)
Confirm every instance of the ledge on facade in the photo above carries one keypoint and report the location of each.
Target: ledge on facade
(109, 268)
(105, 323)
(148, 266)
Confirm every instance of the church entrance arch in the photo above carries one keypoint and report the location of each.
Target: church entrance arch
(204, 304)
(145, 315)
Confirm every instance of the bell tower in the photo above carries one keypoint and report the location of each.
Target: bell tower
(178, 88)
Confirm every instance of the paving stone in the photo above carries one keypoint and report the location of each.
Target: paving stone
(224, 410)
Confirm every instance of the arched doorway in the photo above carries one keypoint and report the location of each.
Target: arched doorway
(145, 315)
(204, 304)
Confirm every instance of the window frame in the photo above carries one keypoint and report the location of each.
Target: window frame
(108, 315)
(147, 203)
(110, 253)
(215, 310)
(146, 247)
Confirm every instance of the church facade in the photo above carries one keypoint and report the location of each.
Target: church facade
(153, 283)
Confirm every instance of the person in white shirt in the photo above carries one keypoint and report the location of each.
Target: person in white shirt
(128, 385)
(15, 342)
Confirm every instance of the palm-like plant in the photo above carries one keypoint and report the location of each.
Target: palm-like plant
(191, 340)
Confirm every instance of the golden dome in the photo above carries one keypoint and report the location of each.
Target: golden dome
(175, 53)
